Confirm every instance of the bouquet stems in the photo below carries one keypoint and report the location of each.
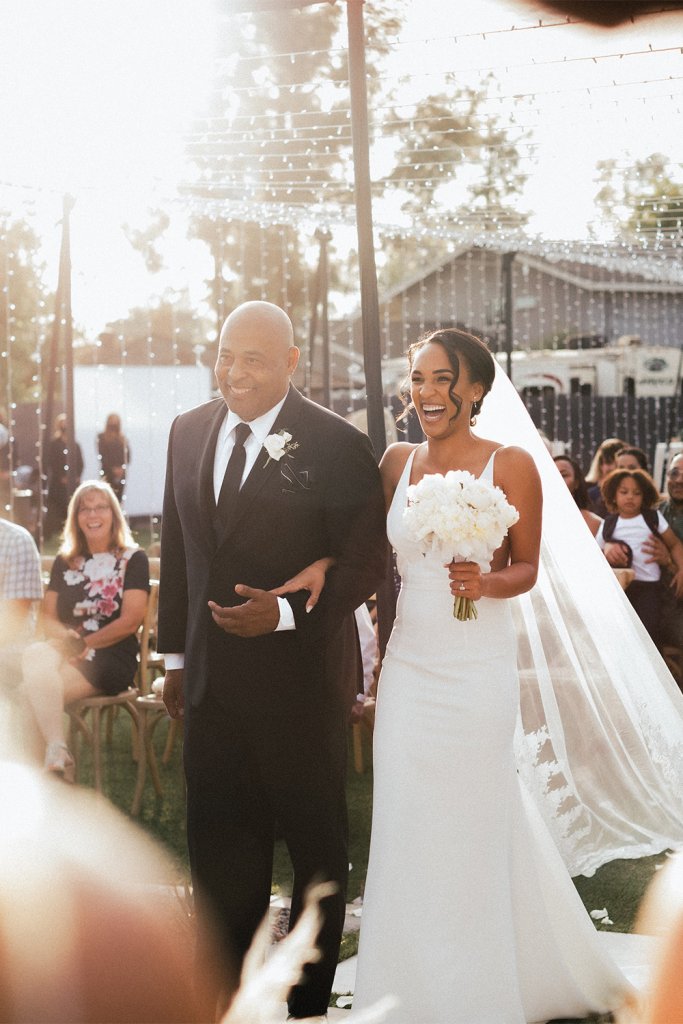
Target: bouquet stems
(464, 608)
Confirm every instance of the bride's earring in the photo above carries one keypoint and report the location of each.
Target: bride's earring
(475, 409)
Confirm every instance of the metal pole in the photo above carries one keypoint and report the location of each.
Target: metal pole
(372, 355)
(672, 423)
(325, 237)
(313, 325)
(508, 260)
(46, 427)
(68, 335)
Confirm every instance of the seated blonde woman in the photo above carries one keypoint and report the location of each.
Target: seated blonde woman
(94, 605)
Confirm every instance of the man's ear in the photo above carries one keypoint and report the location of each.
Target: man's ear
(293, 358)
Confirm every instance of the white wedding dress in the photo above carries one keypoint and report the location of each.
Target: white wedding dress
(469, 916)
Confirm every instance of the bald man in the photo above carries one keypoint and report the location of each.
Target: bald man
(263, 686)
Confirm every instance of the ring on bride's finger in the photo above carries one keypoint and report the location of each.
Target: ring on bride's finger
(461, 587)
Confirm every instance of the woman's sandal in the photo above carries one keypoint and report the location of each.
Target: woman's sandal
(59, 761)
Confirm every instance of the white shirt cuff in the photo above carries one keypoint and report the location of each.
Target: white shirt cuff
(286, 615)
(174, 661)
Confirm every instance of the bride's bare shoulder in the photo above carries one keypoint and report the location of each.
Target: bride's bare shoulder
(394, 460)
(515, 465)
(514, 456)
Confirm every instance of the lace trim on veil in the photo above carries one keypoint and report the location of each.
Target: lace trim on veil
(600, 737)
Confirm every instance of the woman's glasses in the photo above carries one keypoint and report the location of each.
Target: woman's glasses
(99, 510)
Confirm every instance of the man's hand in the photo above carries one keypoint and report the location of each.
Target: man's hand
(259, 615)
(657, 550)
(172, 695)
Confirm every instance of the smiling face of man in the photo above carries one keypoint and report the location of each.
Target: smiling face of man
(674, 479)
(256, 359)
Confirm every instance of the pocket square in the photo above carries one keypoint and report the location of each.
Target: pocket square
(296, 480)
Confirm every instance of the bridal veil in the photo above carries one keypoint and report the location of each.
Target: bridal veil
(600, 737)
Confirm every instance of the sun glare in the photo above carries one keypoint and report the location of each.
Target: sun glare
(92, 94)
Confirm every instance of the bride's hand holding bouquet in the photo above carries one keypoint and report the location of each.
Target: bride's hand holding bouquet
(464, 518)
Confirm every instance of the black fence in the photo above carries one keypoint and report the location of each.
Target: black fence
(582, 421)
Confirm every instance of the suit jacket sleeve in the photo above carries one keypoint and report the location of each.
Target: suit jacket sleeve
(172, 622)
(356, 528)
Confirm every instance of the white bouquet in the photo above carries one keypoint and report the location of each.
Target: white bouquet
(462, 518)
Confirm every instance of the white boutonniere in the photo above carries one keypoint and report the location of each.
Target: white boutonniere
(278, 445)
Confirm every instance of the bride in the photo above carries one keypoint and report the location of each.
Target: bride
(469, 916)
(464, 884)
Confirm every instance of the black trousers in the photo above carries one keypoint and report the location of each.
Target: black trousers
(238, 786)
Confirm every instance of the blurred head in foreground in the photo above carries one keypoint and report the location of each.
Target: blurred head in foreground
(661, 915)
(90, 930)
(84, 933)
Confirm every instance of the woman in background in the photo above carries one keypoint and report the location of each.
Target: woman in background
(94, 605)
(572, 474)
(114, 454)
(631, 457)
(602, 464)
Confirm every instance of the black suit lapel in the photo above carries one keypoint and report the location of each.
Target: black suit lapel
(207, 499)
(264, 470)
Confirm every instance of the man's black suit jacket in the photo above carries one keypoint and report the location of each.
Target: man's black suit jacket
(322, 499)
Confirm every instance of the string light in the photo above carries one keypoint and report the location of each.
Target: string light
(293, 155)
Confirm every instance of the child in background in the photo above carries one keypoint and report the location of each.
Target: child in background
(631, 498)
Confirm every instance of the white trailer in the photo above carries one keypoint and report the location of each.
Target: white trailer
(627, 368)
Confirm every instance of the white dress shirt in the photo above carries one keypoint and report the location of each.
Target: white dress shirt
(225, 442)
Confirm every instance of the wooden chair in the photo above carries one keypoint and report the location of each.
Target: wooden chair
(365, 725)
(46, 562)
(150, 663)
(85, 716)
(151, 710)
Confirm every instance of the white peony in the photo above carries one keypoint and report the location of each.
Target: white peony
(460, 517)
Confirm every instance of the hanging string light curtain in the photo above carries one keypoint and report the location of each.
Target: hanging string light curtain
(295, 154)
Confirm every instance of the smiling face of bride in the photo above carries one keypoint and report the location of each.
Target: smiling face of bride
(442, 390)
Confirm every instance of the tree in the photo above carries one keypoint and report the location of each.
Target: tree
(277, 134)
(456, 168)
(276, 145)
(23, 300)
(144, 240)
(164, 334)
(643, 202)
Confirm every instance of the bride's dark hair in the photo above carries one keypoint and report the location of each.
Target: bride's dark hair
(455, 343)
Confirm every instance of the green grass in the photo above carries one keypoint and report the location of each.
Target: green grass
(617, 886)
(164, 817)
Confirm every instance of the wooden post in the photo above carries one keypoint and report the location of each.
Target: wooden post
(508, 260)
(68, 336)
(372, 356)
